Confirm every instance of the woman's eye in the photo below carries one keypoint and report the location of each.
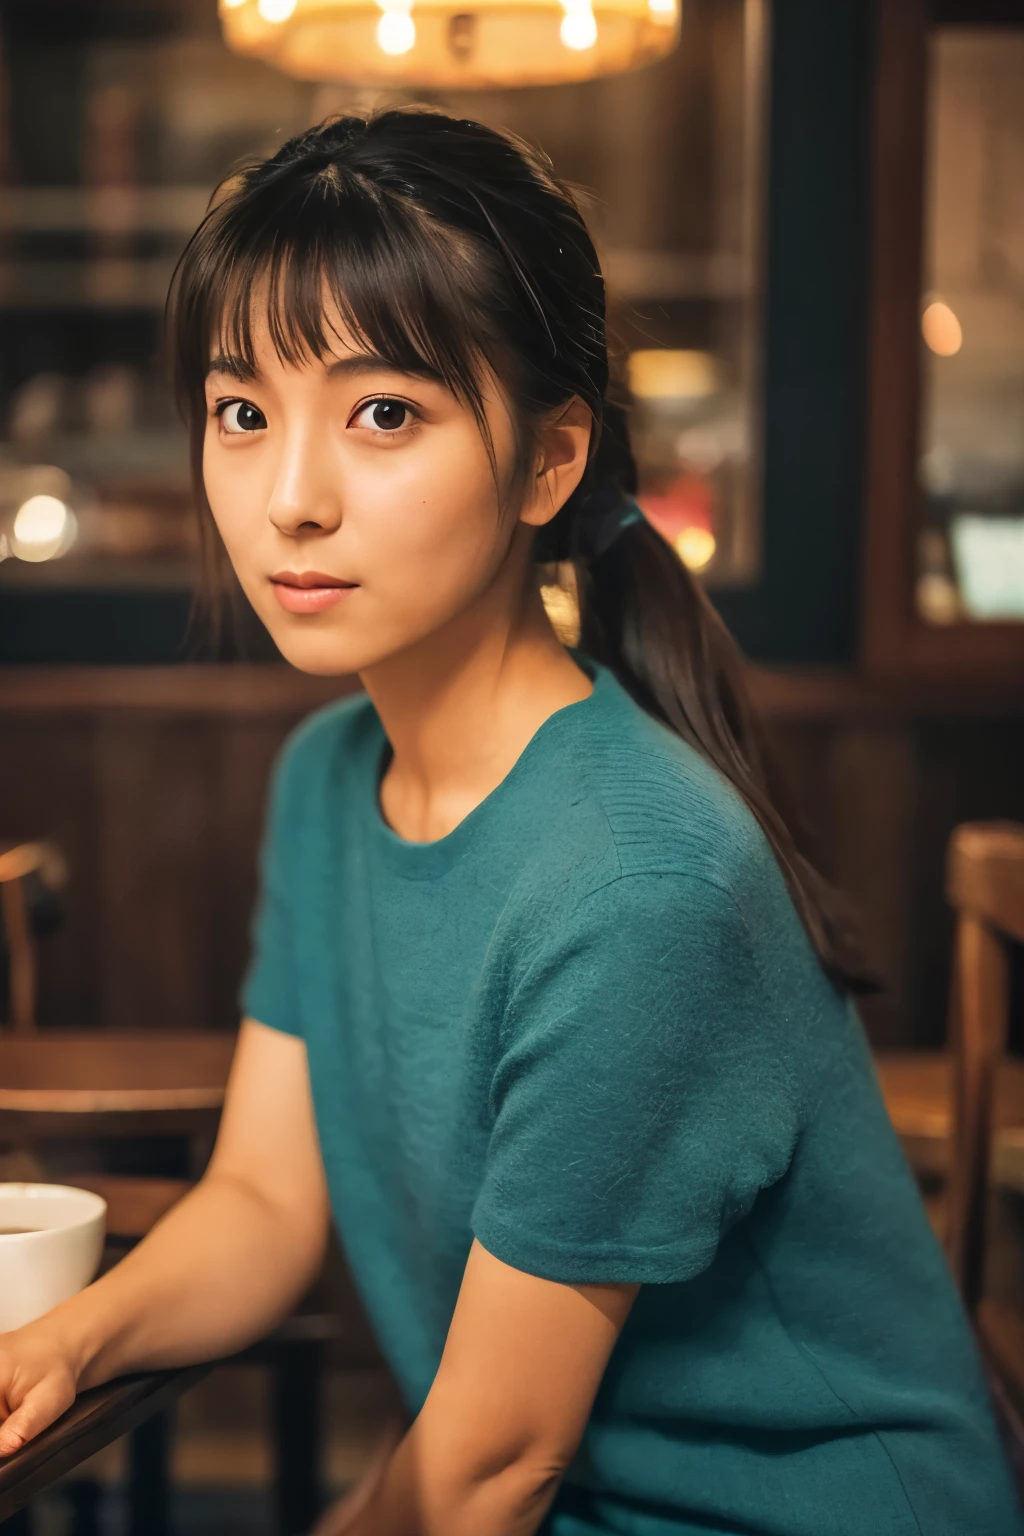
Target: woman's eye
(239, 416)
(384, 415)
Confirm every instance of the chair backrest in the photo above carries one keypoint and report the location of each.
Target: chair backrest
(16, 864)
(985, 886)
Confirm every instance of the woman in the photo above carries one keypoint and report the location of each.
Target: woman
(545, 1006)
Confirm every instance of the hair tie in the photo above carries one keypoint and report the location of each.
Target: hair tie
(608, 512)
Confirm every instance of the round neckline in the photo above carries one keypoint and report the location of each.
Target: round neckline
(426, 860)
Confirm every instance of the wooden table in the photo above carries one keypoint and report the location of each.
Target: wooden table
(95, 1420)
(59, 1084)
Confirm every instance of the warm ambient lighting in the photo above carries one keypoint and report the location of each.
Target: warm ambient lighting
(661, 373)
(941, 329)
(396, 32)
(695, 547)
(578, 29)
(43, 529)
(683, 512)
(274, 11)
(452, 44)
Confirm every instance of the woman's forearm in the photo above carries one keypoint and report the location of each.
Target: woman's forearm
(220, 1269)
(425, 1492)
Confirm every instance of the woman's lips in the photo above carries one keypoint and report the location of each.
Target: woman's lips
(310, 591)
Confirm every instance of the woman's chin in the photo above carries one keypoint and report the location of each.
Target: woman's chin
(325, 650)
(319, 655)
(320, 666)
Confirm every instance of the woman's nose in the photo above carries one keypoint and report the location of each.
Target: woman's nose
(306, 493)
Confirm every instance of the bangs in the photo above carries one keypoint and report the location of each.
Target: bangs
(327, 254)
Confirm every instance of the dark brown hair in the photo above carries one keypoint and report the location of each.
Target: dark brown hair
(446, 245)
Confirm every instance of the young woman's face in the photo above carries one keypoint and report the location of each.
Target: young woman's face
(357, 504)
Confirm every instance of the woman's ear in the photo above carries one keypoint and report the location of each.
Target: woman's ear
(563, 449)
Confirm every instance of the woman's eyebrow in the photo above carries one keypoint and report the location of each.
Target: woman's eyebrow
(372, 362)
(355, 363)
(236, 367)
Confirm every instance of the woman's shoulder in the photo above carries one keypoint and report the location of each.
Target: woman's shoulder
(668, 810)
(633, 833)
(672, 870)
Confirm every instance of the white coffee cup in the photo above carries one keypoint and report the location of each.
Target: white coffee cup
(51, 1240)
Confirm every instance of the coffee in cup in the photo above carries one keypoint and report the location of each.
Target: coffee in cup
(51, 1241)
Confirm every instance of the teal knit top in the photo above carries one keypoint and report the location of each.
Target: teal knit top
(588, 1028)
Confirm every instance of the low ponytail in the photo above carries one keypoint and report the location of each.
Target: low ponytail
(645, 617)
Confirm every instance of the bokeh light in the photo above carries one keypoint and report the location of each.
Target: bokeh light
(44, 527)
(941, 329)
(276, 10)
(579, 29)
(695, 547)
(396, 32)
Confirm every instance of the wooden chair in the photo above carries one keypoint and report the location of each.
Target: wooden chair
(921, 1087)
(62, 1084)
(985, 885)
(918, 1090)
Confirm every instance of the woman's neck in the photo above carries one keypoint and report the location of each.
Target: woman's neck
(459, 709)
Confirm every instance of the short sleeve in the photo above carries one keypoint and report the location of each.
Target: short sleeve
(269, 992)
(644, 1094)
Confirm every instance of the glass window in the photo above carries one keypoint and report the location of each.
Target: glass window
(971, 542)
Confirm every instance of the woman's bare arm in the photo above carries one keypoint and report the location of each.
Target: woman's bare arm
(522, 1363)
(216, 1273)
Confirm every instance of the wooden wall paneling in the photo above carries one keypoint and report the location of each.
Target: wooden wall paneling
(246, 750)
(800, 695)
(873, 778)
(237, 689)
(155, 850)
(47, 794)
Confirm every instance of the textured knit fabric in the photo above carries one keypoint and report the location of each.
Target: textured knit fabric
(587, 1027)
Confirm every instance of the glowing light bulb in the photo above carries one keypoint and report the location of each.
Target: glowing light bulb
(579, 29)
(276, 11)
(941, 329)
(695, 547)
(43, 527)
(396, 32)
(662, 10)
(231, 5)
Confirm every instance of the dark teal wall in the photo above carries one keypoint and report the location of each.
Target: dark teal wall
(93, 628)
(804, 607)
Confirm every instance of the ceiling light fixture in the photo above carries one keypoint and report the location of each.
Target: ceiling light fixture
(452, 44)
